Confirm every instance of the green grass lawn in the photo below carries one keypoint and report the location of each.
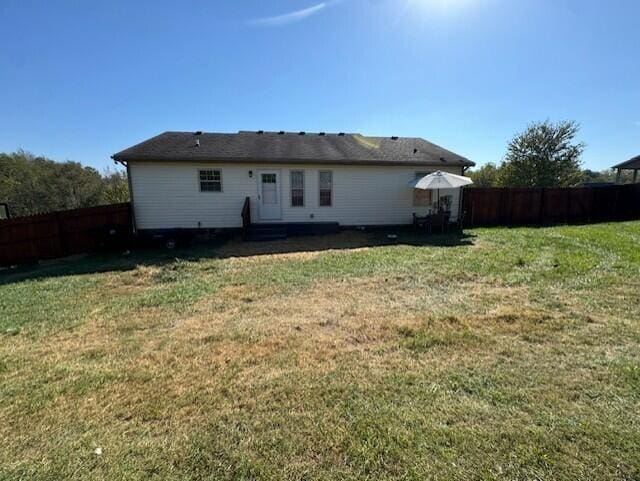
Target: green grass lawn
(505, 354)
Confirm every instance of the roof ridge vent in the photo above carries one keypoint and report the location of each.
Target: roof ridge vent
(394, 137)
(321, 134)
(302, 133)
(281, 132)
(341, 134)
(198, 132)
(260, 132)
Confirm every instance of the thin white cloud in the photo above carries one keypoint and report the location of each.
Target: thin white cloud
(636, 123)
(287, 18)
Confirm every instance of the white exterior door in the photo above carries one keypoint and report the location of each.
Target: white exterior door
(270, 207)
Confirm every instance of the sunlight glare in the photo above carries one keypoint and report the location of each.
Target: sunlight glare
(439, 6)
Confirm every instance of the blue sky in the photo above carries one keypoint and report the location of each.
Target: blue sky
(81, 80)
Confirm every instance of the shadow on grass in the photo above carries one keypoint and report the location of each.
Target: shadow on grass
(345, 240)
(229, 247)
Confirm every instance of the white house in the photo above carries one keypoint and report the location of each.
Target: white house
(187, 180)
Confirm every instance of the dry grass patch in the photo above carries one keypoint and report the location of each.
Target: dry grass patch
(382, 362)
(298, 248)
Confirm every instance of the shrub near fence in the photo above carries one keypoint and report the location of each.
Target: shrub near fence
(62, 233)
(545, 206)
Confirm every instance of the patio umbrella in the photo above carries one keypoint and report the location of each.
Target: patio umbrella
(440, 180)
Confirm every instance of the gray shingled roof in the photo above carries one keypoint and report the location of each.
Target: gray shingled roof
(290, 148)
(629, 164)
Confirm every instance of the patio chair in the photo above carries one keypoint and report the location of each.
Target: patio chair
(440, 221)
(420, 221)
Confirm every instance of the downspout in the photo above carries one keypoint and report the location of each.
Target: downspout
(133, 212)
(461, 200)
(460, 206)
(461, 212)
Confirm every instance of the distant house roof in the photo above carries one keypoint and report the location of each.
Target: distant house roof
(629, 164)
(288, 147)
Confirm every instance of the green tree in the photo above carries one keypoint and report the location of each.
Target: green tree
(485, 176)
(544, 155)
(116, 187)
(606, 176)
(32, 185)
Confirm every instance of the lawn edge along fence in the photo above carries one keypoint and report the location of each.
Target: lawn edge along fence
(493, 206)
(64, 233)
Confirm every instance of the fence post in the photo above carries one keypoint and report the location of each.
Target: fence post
(473, 213)
(541, 209)
(504, 215)
(64, 248)
(461, 207)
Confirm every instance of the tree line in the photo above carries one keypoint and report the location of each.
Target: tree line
(546, 154)
(31, 185)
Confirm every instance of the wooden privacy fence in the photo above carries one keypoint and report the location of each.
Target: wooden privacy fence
(63, 233)
(553, 205)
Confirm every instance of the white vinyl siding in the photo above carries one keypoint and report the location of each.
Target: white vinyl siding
(167, 195)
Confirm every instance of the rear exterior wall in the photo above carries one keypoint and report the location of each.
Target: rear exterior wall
(167, 195)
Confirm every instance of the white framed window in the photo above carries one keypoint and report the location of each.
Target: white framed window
(296, 178)
(446, 202)
(325, 183)
(421, 198)
(210, 180)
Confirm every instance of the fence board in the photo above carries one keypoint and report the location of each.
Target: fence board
(545, 206)
(57, 234)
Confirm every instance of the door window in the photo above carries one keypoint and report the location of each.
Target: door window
(269, 189)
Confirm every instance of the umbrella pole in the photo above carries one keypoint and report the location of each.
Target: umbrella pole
(438, 201)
